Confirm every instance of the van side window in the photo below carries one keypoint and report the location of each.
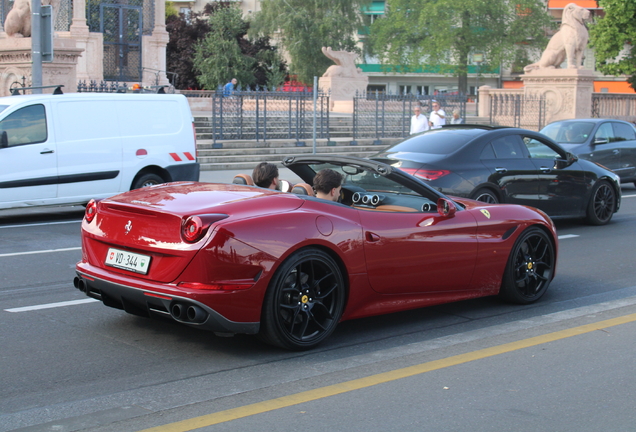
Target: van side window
(25, 126)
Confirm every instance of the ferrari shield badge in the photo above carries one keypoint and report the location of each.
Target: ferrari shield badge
(486, 213)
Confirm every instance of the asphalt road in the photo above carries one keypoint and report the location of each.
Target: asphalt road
(563, 364)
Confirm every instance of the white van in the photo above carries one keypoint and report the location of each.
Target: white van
(68, 148)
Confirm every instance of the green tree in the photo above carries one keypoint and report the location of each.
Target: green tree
(612, 37)
(225, 53)
(171, 10)
(303, 27)
(443, 35)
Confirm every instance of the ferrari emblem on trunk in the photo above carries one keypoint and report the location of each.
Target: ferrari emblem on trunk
(128, 227)
(486, 213)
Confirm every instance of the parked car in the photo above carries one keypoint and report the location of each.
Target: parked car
(611, 143)
(508, 165)
(234, 258)
(63, 149)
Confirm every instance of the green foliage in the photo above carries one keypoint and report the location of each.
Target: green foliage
(303, 27)
(171, 10)
(611, 34)
(444, 34)
(191, 36)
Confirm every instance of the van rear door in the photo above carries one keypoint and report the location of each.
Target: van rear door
(28, 158)
(89, 148)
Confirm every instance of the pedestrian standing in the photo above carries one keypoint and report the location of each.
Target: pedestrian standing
(437, 118)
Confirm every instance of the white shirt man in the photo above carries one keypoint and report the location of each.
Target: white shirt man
(438, 116)
(419, 122)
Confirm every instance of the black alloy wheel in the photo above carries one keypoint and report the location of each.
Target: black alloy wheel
(602, 203)
(304, 301)
(485, 195)
(530, 267)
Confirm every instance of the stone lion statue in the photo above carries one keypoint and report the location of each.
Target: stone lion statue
(18, 22)
(344, 67)
(568, 43)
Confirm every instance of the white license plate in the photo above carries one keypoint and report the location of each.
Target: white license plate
(128, 261)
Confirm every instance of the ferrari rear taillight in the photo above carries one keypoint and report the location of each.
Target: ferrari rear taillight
(194, 227)
(426, 174)
(91, 211)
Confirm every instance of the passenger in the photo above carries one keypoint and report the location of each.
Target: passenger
(327, 184)
(265, 175)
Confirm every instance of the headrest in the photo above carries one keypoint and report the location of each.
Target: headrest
(303, 189)
(243, 179)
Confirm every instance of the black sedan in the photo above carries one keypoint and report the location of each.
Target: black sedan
(509, 165)
(611, 143)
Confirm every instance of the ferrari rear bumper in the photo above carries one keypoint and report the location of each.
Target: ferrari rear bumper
(147, 303)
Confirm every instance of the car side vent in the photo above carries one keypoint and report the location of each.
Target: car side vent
(509, 232)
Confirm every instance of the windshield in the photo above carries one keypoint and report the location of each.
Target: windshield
(366, 180)
(572, 132)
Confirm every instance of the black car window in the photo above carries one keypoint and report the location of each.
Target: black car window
(539, 150)
(605, 133)
(25, 126)
(623, 132)
(507, 147)
(488, 152)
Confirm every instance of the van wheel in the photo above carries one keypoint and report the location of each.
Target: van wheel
(147, 180)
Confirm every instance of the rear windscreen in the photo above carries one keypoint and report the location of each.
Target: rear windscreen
(437, 141)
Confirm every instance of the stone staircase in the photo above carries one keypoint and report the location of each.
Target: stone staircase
(245, 154)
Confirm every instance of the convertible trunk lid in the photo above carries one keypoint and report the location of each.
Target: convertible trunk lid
(145, 225)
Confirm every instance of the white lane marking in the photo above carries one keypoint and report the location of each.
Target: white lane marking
(50, 305)
(629, 196)
(567, 236)
(39, 224)
(40, 251)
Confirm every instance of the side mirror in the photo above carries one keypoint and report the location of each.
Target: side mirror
(285, 186)
(4, 140)
(446, 207)
(600, 141)
(564, 163)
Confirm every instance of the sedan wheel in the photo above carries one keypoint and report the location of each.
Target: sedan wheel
(486, 195)
(602, 204)
(304, 301)
(530, 267)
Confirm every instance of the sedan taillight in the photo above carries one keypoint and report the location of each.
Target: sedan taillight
(426, 174)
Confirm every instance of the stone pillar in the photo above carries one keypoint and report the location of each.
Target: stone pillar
(568, 92)
(483, 109)
(16, 62)
(154, 49)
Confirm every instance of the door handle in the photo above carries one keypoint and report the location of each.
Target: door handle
(545, 169)
(501, 170)
(46, 151)
(616, 151)
(372, 237)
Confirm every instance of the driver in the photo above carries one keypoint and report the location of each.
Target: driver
(265, 175)
(327, 184)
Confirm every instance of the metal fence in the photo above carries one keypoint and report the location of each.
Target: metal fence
(382, 115)
(614, 105)
(517, 110)
(265, 115)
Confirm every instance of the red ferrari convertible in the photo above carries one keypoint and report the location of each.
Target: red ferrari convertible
(289, 266)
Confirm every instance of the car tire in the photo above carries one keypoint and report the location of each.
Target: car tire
(304, 301)
(530, 267)
(146, 180)
(485, 195)
(602, 203)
